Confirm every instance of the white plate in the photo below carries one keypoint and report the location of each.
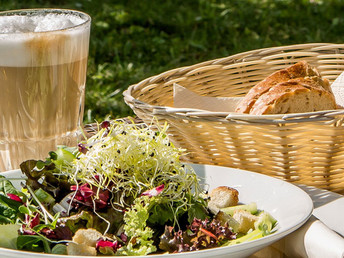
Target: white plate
(290, 205)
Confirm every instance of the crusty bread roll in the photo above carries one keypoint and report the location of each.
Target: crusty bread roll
(296, 89)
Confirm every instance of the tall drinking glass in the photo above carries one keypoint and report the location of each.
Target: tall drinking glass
(43, 61)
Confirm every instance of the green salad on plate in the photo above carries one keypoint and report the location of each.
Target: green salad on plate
(123, 191)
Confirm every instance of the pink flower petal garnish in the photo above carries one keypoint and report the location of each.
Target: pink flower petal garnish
(155, 191)
(14, 197)
(114, 245)
(104, 243)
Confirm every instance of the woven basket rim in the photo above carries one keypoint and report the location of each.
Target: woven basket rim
(325, 115)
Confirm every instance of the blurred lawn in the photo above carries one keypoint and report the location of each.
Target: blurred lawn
(132, 40)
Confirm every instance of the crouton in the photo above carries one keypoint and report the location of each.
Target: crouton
(221, 197)
(246, 220)
(81, 249)
(88, 237)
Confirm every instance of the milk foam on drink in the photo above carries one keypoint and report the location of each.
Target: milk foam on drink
(38, 23)
(19, 34)
(43, 60)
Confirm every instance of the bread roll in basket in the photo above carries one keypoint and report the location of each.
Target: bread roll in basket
(296, 89)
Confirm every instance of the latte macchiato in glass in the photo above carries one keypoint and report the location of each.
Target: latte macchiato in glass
(43, 62)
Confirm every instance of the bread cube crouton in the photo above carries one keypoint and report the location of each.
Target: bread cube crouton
(88, 237)
(246, 220)
(81, 249)
(84, 242)
(221, 197)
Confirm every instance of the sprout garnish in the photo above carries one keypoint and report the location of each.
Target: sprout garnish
(129, 159)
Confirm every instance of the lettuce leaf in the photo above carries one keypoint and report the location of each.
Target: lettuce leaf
(34, 243)
(200, 234)
(6, 187)
(46, 176)
(160, 214)
(197, 209)
(139, 234)
(83, 219)
(9, 210)
(8, 235)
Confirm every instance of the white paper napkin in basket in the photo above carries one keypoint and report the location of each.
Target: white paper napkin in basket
(184, 98)
(338, 90)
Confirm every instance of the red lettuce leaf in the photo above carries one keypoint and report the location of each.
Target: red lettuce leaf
(201, 234)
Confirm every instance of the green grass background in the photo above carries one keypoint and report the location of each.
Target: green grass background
(132, 40)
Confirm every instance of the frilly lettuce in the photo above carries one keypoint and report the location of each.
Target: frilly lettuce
(139, 234)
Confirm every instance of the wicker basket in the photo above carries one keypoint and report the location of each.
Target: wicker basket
(300, 148)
